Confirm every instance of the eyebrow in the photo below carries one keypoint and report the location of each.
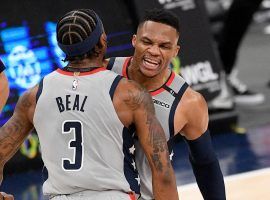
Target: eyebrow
(145, 38)
(163, 43)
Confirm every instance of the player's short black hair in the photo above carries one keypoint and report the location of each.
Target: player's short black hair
(161, 16)
(74, 27)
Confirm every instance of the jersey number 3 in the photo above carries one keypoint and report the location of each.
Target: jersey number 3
(75, 127)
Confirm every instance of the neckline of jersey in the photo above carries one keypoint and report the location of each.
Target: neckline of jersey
(155, 92)
(61, 71)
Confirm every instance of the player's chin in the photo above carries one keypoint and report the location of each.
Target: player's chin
(150, 73)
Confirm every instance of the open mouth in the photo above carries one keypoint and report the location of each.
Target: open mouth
(150, 63)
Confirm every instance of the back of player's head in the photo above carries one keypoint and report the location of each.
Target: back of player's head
(78, 32)
(161, 16)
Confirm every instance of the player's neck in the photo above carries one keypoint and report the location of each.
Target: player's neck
(86, 63)
(150, 83)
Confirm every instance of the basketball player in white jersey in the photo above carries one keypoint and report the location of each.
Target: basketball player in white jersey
(180, 110)
(86, 117)
(4, 89)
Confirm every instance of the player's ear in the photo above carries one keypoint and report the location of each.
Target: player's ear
(103, 39)
(134, 39)
(177, 49)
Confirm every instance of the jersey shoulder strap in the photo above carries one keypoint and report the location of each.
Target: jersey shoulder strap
(119, 65)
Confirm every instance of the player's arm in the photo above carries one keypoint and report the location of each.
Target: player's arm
(153, 142)
(201, 152)
(4, 90)
(6, 196)
(16, 129)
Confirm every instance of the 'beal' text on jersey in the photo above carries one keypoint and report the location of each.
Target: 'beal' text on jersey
(71, 102)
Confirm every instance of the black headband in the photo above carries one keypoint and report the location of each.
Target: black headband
(86, 45)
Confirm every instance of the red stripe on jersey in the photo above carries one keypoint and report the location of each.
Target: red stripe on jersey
(81, 73)
(132, 196)
(124, 70)
(168, 83)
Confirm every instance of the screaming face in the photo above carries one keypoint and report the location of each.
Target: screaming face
(155, 45)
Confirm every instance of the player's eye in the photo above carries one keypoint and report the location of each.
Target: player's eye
(165, 47)
(146, 42)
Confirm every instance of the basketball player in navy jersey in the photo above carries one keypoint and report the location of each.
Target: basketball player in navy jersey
(180, 110)
(4, 89)
(86, 117)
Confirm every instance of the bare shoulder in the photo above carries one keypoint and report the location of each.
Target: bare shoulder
(29, 97)
(135, 96)
(194, 100)
(128, 84)
(27, 103)
(130, 98)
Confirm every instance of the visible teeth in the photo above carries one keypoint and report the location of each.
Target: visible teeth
(150, 64)
(151, 61)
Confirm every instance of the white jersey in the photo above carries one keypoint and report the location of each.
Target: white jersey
(84, 145)
(165, 99)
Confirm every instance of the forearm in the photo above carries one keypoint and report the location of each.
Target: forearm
(163, 179)
(164, 186)
(206, 168)
(12, 135)
(157, 153)
(210, 180)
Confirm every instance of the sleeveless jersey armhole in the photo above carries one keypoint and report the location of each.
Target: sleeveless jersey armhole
(114, 85)
(40, 88)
